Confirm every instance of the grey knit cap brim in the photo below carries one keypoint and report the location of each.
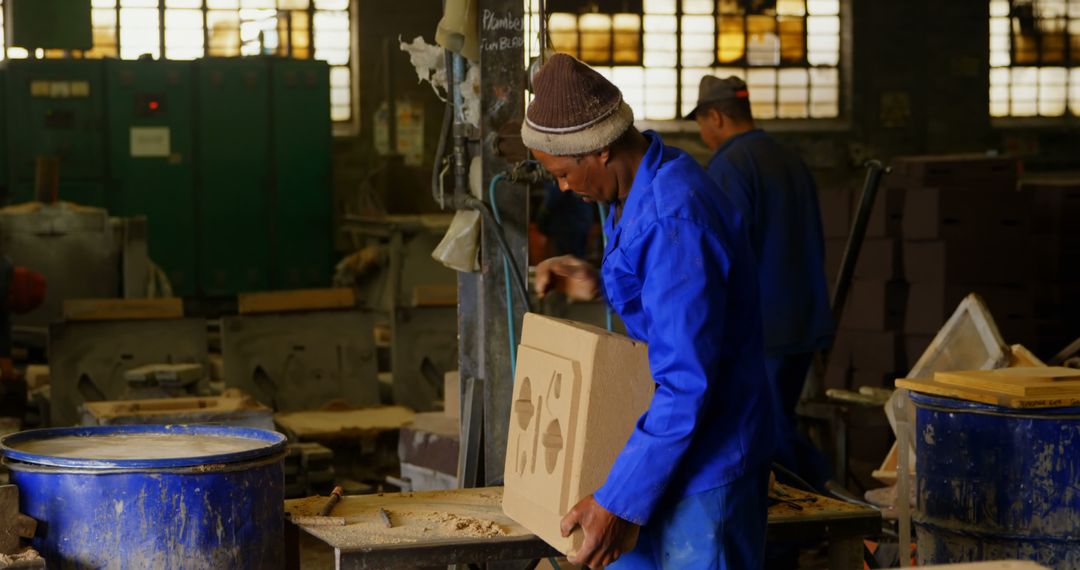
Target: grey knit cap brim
(588, 139)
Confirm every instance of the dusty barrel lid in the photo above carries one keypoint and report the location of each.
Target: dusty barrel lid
(957, 405)
(140, 446)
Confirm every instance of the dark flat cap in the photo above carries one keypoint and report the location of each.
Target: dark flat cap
(712, 89)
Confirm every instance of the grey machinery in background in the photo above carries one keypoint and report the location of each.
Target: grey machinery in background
(88, 359)
(302, 360)
(82, 252)
(415, 296)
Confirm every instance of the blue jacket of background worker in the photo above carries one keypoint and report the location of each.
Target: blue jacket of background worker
(679, 270)
(776, 194)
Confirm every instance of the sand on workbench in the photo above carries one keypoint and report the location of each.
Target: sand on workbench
(427, 520)
(24, 555)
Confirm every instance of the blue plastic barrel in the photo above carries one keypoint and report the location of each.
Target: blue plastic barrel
(996, 483)
(187, 511)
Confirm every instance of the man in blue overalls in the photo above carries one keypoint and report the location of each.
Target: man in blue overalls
(679, 270)
(776, 194)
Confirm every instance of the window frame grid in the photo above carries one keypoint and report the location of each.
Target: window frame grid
(1070, 64)
(610, 62)
(838, 122)
(1067, 61)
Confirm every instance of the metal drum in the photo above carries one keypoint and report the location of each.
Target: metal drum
(997, 483)
(152, 496)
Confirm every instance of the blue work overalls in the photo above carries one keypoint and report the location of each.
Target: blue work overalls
(679, 270)
(776, 194)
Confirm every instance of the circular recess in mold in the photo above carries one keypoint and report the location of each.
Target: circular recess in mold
(523, 406)
(553, 444)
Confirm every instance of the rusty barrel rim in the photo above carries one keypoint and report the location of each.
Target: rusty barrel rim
(274, 444)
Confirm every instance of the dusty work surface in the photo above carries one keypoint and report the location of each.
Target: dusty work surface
(432, 517)
(343, 423)
(799, 505)
(475, 515)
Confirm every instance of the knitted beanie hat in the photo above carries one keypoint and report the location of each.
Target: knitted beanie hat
(574, 110)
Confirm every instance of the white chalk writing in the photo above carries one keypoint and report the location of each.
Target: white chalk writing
(507, 21)
(503, 43)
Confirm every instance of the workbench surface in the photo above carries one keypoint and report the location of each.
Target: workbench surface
(468, 525)
(465, 515)
(428, 529)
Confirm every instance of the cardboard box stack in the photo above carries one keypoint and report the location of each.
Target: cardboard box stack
(942, 227)
(965, 226)
(1054, 247)
(868, 350)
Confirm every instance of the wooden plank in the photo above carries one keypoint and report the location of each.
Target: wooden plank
(122, 309)
(452, 394)
(886, 473)
(999, 565)
(1019, 356)
(296, 300)
(987, 397)
(1049, 374)
(321, 424)
(434, 296)
(949, 391)
(1021, 381)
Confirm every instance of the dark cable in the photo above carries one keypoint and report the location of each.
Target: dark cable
(485, 210)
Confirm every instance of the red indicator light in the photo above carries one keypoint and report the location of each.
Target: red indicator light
(153, 105)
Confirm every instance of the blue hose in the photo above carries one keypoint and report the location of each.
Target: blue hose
(506, 278)
(603, 234)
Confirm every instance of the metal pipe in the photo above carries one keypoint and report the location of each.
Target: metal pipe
(437, 192)
(461, 168)
(390, 95)
(440, 152)
(874, 171)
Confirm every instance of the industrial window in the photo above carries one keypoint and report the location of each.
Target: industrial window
(657, 51)
(190, 29)
(1034, 58)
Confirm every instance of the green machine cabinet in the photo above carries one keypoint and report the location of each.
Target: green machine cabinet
(151, 161)
(303, 202)
(233, 181)
(56, 108)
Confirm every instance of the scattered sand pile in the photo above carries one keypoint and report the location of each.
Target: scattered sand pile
(468, 526)
(24, 556)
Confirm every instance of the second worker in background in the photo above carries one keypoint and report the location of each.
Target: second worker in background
(776, 193)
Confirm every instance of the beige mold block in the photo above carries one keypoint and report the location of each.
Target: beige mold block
(578, 392)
